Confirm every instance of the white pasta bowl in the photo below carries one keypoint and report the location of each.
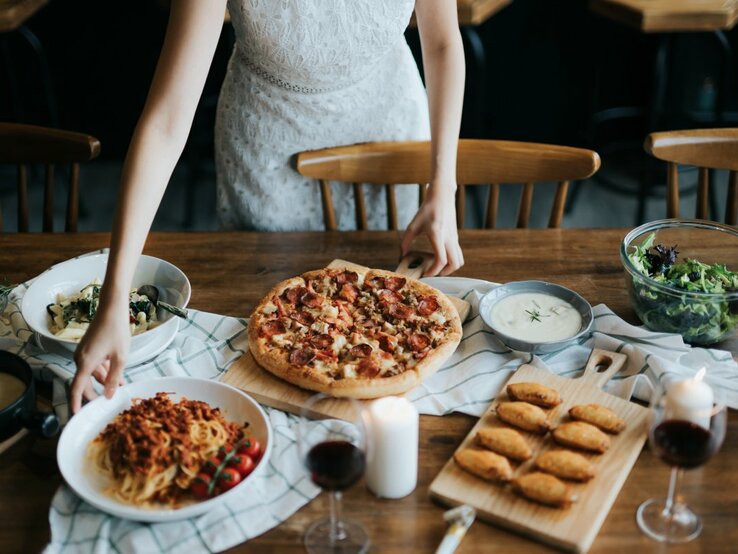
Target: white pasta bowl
(71, 276)
(80, 472)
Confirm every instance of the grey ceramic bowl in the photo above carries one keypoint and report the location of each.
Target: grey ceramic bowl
(517, 287)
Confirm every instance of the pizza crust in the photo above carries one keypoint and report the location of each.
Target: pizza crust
(276, 360)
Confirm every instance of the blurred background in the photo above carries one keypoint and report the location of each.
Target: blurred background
(542, 71)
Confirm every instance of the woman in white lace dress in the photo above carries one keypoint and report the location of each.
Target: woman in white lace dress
(304, 74)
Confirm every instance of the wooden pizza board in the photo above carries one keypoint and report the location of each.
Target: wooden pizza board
(265, 388)
(573, 528)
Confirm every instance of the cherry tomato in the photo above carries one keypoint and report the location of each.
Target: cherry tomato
(200, 484)
(251, 448)
(211, 465)
(243, 464)
(223, 450)
(228, 478)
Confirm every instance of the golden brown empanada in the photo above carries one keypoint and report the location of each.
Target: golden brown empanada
(597, 415)
(484, 464)
(544, 488)
(523, 415)
(566, 464)
(581, 435)
(505, 441)
(535, 394)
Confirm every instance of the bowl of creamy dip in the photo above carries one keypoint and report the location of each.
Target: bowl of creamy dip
(535, 316)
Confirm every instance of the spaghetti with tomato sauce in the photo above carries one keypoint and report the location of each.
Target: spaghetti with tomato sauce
(153, 451)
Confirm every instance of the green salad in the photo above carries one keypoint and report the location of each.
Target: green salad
(699, 319)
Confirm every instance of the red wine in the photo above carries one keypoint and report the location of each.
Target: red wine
(335, 465)
(683, 443)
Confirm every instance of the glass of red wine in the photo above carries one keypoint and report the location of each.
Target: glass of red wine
(686, 429)
(334, 452)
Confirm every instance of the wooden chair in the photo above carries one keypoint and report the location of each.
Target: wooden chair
(707, 149)
(479, 162)
(28, 144)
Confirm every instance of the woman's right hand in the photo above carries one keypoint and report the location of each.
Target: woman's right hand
(102, 352)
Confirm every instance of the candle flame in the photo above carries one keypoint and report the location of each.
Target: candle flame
(700, 375)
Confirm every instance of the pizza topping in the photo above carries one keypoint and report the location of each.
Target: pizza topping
(306, 318)
(387, 343)
(401, 311)
(361, 350)
(273, 327)
(302, 357)
(427, 305)
(321, 342)
(269, 308)
(376, 283)
(347, 277)
(349, 293)
(394, 283)
(387, 296)
(311, 300)
(293, 294)
(417, 342)
(367, 368)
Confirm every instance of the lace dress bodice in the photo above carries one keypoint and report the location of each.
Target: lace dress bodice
(308, 74)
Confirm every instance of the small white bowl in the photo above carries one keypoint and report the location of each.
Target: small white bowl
(78, 471)
(71, 276)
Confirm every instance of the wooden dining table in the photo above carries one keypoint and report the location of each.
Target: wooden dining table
(229, 273)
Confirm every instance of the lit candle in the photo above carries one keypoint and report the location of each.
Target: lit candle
(392, 468)
(690, 400)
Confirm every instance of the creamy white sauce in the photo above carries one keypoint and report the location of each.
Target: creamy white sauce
(535, 317)
(10, 389)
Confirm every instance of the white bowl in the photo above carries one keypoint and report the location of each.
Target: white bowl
(71, 276)
(79, 472)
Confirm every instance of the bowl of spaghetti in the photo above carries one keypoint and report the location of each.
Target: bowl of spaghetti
(165, 449)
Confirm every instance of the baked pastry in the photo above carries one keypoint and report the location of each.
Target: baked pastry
(359, 334)
(524, 416)
(579, 434)
(544, 488)
(598, 415)
(534, 393)
(505, 441)
(566, 464)
(484, 464)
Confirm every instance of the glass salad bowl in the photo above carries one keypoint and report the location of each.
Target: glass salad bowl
(682, 277)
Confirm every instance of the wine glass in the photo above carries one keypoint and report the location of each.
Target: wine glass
(334, 452)
(686, 428)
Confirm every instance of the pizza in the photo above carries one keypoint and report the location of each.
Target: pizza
(354, 333)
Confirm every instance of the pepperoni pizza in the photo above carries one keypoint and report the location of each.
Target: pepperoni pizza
(358, 334)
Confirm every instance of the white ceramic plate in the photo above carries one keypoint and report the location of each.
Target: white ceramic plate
(80, 474)
(71, 276)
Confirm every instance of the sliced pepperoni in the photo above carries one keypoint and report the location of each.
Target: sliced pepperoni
(312, 300)
(367, 368)
(401, 311)
(301, 357)
(294, 294)
(394, 283)
(428, 305)
(306, 318)
(347, 277)
(417, 342)
(386, 343)
(321, 342)
(349, 293)
(361, 350)
(273, 327)
(376, 283)
(387, 296)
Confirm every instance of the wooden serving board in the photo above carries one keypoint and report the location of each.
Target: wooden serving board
(573, 528)
(247, 375)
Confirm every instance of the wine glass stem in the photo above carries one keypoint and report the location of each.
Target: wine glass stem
(338, 533)
(674, 480)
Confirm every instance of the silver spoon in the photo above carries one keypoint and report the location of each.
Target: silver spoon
(152, 293)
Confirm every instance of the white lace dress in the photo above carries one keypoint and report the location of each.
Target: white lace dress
(309, 74)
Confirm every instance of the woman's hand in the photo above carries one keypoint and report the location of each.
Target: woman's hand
(436, 218)
(101, 353)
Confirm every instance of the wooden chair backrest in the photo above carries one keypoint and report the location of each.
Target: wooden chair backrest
(22, 145)
(706, 149)
(479, 162)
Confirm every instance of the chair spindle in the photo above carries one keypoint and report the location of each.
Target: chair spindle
(22, 198)
(703, 184)
(493, 204)
(329, 214)
(672, 193)
(361, 220)
(526, 200)
(48, 222)
(73, 200)
(460, 205)
(731, 206)
(557, 211)
(391, 207)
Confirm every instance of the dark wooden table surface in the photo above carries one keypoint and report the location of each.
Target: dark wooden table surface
(229, 273)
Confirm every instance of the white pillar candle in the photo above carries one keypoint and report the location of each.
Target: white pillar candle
(690, 400)
(392, 468)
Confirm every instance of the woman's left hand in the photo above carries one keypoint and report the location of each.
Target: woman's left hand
(436, 218)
